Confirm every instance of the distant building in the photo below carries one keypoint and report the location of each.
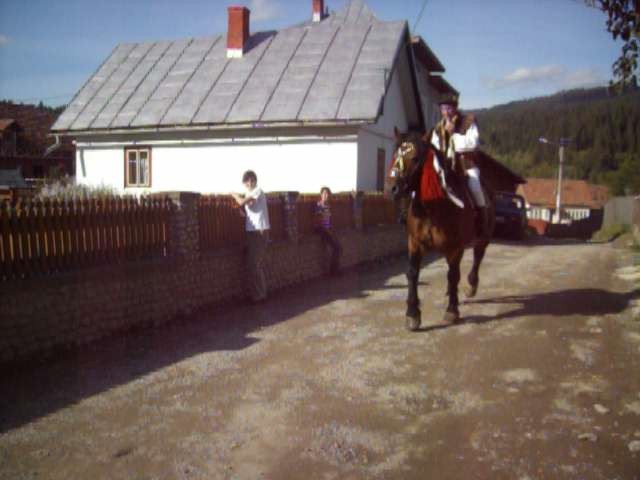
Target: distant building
(8, 137)
(580, 200)
(309, 105)
(12, 184)
(24, 145)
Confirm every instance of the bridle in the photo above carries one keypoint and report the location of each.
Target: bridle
(405, 168)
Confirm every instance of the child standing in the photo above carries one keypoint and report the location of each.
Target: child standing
(323, 228)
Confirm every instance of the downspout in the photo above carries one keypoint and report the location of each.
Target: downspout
(52, 148)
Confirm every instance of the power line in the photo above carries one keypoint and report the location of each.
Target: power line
(415, 25)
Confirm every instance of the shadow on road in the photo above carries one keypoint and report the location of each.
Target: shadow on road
(564, 303)
(37, 388)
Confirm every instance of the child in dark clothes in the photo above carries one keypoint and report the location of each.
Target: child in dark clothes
(323, 228)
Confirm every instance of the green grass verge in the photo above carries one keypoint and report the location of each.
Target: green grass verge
(610, 233)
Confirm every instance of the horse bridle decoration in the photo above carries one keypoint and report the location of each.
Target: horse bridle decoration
(406, 152)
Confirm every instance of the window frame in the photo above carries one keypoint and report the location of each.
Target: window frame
(137, 149)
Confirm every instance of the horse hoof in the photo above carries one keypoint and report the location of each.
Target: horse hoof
(471, 291)
(413, 323)
(452, 317)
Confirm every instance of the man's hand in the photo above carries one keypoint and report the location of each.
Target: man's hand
(238, 198)
(449, 126)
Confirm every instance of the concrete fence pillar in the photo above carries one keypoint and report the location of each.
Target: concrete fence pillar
(358, 214)
(290, 201)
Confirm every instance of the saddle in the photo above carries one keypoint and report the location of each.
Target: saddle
(437, 185)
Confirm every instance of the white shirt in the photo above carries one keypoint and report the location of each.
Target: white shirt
(258, 213)
(461, 143)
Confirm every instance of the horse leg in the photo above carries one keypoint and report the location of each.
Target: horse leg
(413, 304)
(454, 258)
(474, 277)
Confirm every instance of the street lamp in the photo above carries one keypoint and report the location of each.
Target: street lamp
(561, 144)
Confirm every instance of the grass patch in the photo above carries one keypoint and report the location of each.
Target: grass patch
(610, 233)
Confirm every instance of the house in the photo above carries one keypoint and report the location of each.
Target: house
(12, 184)
(310, 105)
(8, 137)
(579, 200)
(25, 145)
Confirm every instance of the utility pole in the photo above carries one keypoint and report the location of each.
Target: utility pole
(557, 217)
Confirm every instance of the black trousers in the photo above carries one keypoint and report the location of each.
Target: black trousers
(336, 249)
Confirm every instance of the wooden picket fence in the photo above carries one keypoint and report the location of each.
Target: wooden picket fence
(44, 237)
(306, 206)
(377, 210)
(341, 211)
(222, 222)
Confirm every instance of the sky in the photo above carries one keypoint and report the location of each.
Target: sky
(494, 51)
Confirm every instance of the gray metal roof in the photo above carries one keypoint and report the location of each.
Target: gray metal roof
(332, 71)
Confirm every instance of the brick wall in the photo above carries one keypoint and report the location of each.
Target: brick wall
(41, 314)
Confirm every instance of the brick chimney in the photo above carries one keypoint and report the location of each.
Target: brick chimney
(318, 10)
(238, 32)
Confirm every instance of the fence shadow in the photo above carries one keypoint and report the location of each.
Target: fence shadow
(37, 388)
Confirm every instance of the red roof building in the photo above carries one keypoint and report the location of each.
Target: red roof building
(579, 198)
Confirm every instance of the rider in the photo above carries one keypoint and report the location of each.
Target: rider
(457, 137)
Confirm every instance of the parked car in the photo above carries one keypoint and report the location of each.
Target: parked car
(511, 216)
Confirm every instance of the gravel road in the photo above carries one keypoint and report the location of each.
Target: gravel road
(540, 381)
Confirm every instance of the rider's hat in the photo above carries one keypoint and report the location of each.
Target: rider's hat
(449, 99)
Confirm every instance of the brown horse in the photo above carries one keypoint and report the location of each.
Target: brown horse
(435, 225)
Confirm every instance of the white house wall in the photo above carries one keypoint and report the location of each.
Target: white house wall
(218, 168)
(380, 135)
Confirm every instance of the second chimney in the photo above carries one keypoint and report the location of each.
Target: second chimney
(318, 10)
(238, 32)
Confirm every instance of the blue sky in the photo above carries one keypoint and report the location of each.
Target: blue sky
(494, 51)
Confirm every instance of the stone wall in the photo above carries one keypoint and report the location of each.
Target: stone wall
(636, 219)
(41, 314)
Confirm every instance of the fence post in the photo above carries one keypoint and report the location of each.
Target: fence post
(184, 246)
(358, 213)
(184, 228)
(290, 201)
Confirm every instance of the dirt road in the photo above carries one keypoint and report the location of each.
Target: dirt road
(542, 381)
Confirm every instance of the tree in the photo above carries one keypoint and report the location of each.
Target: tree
(623, 21)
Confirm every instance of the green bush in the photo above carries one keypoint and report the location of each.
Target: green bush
(610, 233)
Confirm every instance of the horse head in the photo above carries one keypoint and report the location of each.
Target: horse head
(407, 160)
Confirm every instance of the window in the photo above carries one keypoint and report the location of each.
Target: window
(137, 167)
(380, 169)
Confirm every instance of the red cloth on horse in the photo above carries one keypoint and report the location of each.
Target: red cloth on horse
(430, 188)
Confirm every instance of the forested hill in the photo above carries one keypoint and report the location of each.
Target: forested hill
(604, 130)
